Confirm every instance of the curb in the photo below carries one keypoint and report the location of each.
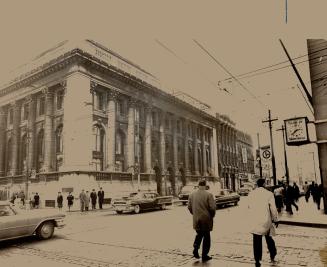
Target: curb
(304, 224)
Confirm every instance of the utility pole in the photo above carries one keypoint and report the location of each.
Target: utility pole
(259, 157)
(285, 155)
(270, 120)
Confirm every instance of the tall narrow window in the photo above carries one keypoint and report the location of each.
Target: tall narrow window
(98, 150)
(99, 100)
(60, 99)
(10, 116)
(23, 153)
(8, 156)
(59, 142)
(41, 106)
(40, 150)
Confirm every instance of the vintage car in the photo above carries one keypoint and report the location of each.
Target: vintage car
(243, 191)
(15, 222)
(139, 201)
(226, 197)
(185, 192)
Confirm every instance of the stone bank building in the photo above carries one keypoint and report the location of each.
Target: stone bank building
(79, 116)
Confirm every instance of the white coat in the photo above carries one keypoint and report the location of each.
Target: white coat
(263, 212)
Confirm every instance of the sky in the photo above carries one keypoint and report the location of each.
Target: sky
(163, 36)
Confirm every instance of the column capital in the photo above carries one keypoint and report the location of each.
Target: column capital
(93, 86)
(63, 85)
(47, 92)
(133, 102)
(148, 107)
(113, 95)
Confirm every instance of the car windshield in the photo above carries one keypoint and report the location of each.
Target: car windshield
(6, 210)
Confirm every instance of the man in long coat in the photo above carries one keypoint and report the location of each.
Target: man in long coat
(202, 206)
(93, 196)
(100, 197)
(264, 216)
(82, 199)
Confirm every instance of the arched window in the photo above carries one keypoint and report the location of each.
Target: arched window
(98, 149)
(8, 156)
(23, 154)
(40, 150)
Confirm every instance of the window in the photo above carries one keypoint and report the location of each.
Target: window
(178, 126)
(23, 153)
(60, 99)
(167, 123)
(154, 119)
(98, 134)
(10, 116)
(119, 143)
(99, 100)
(120, 108)
(8, 156)
(41, 106)
(40, 150)
(25, 112)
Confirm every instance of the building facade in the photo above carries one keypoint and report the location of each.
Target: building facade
(80, 116)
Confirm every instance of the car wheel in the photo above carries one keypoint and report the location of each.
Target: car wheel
(45, 230)
(137, 209)
(163, 206)
(119, 211)
(236, 203)
(184, 203)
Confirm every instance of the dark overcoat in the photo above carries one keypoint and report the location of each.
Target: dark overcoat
(202, 206)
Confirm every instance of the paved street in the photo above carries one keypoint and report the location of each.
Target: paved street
(161, 238)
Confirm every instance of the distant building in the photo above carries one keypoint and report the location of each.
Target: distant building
(80, 116)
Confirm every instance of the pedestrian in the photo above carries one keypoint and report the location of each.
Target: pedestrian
(59, 200)
(306, 191)
(70, 200)
(319, 194)
(264, 218)
(100, 197)
(315, 192)
(22, 198)
(36, 201)
(93, 199)
(312, 191)
(289, 198)
(296, 192)
(87, 201)
(202, 206)
(82, 199)
(278, 193)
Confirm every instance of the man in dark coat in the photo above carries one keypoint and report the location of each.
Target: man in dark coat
(59, 201)
(93, 196)
(100, 197)
(36, 200)
(202, 206)
(70, 200)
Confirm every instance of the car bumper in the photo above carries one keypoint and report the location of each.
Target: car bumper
(121, 208)
(60, 223)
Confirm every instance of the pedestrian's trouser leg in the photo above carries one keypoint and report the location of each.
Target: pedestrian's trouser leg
(294, 204)
(318, 203)
(257, 247)
(271, 246)
(198, 239)
(206, 243)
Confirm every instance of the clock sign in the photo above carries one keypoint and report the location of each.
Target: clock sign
(296, 131)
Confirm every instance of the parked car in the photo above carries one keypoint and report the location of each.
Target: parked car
(225, 197)
(139, 201)
(15, 222)
(243, 191)
(185, 192)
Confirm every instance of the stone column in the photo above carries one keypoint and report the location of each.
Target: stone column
(2, 141)
(204, 153)
(78, 139)
(196, 158)
(111, 131)
(48, 131)
(214, 156)
(131, 134)
(147, 140)
(186, 150)
(16, 138)
(175, 146)
(162, 147)
(31, 131)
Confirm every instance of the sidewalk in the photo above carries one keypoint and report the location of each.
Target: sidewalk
(308, 215)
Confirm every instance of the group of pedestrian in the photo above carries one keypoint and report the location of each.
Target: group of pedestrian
(286, 195)
(315, 190)
(263, 214)
(85, 198)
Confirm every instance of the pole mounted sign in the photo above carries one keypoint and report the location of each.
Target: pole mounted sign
(297, 131)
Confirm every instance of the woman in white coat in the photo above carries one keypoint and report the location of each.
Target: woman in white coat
(263, 219)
